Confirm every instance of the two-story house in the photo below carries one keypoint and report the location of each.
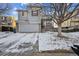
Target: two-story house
(29, 20)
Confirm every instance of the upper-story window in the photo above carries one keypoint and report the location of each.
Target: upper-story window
(22, 13)
(35, 13)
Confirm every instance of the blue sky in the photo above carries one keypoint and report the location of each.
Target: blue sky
(14, 6)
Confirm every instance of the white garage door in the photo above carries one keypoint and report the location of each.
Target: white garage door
(29, 28)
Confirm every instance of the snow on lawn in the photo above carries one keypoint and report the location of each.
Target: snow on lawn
(26, 43)
(1, 33)
(10, 39)
(21, 42)
(4, 34)
(49, 41)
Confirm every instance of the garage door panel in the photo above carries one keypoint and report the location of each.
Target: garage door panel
(29, 27)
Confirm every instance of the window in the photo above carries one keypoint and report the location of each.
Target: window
(35, 13)
(22, 13)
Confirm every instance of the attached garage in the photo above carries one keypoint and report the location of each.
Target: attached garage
(24, 27)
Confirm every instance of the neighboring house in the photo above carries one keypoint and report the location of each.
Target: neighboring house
(69, 23)
(75, 21)
(29, 20)
(7, 22)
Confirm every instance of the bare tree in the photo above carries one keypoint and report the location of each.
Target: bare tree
(61, 12)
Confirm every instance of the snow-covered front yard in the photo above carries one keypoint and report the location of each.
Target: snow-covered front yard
(50, 41)
(22, 42)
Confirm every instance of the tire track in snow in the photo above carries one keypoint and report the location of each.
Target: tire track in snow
(11, 41)
(26, 39)
(25, 51)
(4, 35)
